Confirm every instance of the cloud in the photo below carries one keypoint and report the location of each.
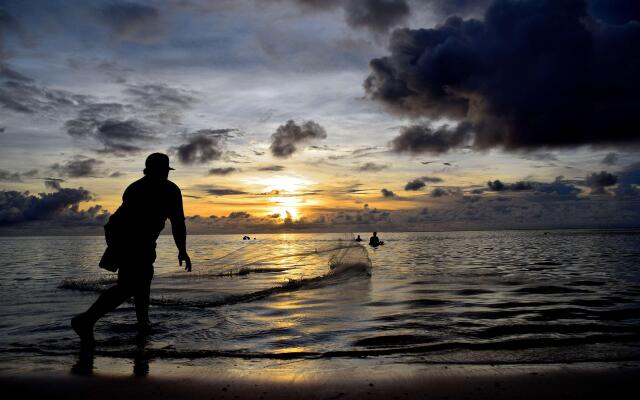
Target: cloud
(387, 193)
(53, 183)
(599, 181)
(559, 186)
(239, 214)
(610, 159)
(431, 179)
(371, 167)
(421, 182)
(78, 167)
(414, 185)
(118, 136)
(289, 135)
(498, 186)
(274, 168)
(529, 75)
(442, 192)
(24, 97)
(418, 139)
(8, 176)
(376, 15)
(222, 171)
(201, 147)
(131, 21)
(163, 102)
(223, 192)
(18, 207)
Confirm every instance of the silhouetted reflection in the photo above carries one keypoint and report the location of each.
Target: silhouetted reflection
(141, 359)
(84, 365)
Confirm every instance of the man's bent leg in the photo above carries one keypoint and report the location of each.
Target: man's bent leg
(108, 301)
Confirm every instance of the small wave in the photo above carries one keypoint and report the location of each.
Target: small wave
(472, 292)
(549, 290)
(547, 263)
(394, 340)
(382, 349)
(528, 329)
(88, 285)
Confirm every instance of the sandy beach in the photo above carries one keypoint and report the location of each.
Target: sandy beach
(334, 379)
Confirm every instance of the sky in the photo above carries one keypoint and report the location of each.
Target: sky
(309, 115)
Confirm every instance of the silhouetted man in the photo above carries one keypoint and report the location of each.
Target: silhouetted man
(374, 240)
(131, 235)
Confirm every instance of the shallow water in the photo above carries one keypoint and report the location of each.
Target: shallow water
(459, 297)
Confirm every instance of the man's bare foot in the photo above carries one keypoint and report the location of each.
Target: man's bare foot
(84, 329)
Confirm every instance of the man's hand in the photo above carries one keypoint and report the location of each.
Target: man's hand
(185, 257)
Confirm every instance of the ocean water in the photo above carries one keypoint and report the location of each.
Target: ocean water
(452, 297)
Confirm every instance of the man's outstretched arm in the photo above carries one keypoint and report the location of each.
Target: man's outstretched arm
(179, 231)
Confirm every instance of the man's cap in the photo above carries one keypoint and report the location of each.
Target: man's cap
(158, 162)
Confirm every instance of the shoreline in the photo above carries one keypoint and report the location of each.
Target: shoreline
(334, 379)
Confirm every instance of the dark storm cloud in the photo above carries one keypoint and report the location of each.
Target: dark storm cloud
(414, 185)
(616, 11)
(201, 147)
(222, 171)
(16, 207)
(598, 182)
(131, 21)
(387, 193)
(78, 168)
(286, 138)
(274, 168)
(419, 139)
(371, 167)
(530, 75)
(610, 159)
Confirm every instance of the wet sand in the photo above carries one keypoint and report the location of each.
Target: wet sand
(360, 379)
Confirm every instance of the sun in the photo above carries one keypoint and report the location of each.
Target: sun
(287, 207)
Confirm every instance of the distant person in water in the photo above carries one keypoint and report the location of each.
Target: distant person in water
(131, 234)
(358, 239)
(374, 240)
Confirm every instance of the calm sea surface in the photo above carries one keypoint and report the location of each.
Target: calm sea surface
(463, 297)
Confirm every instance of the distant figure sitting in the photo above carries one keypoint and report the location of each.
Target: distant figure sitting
(358, 239)
(245, 237)
(374, 240)
(131, 234)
